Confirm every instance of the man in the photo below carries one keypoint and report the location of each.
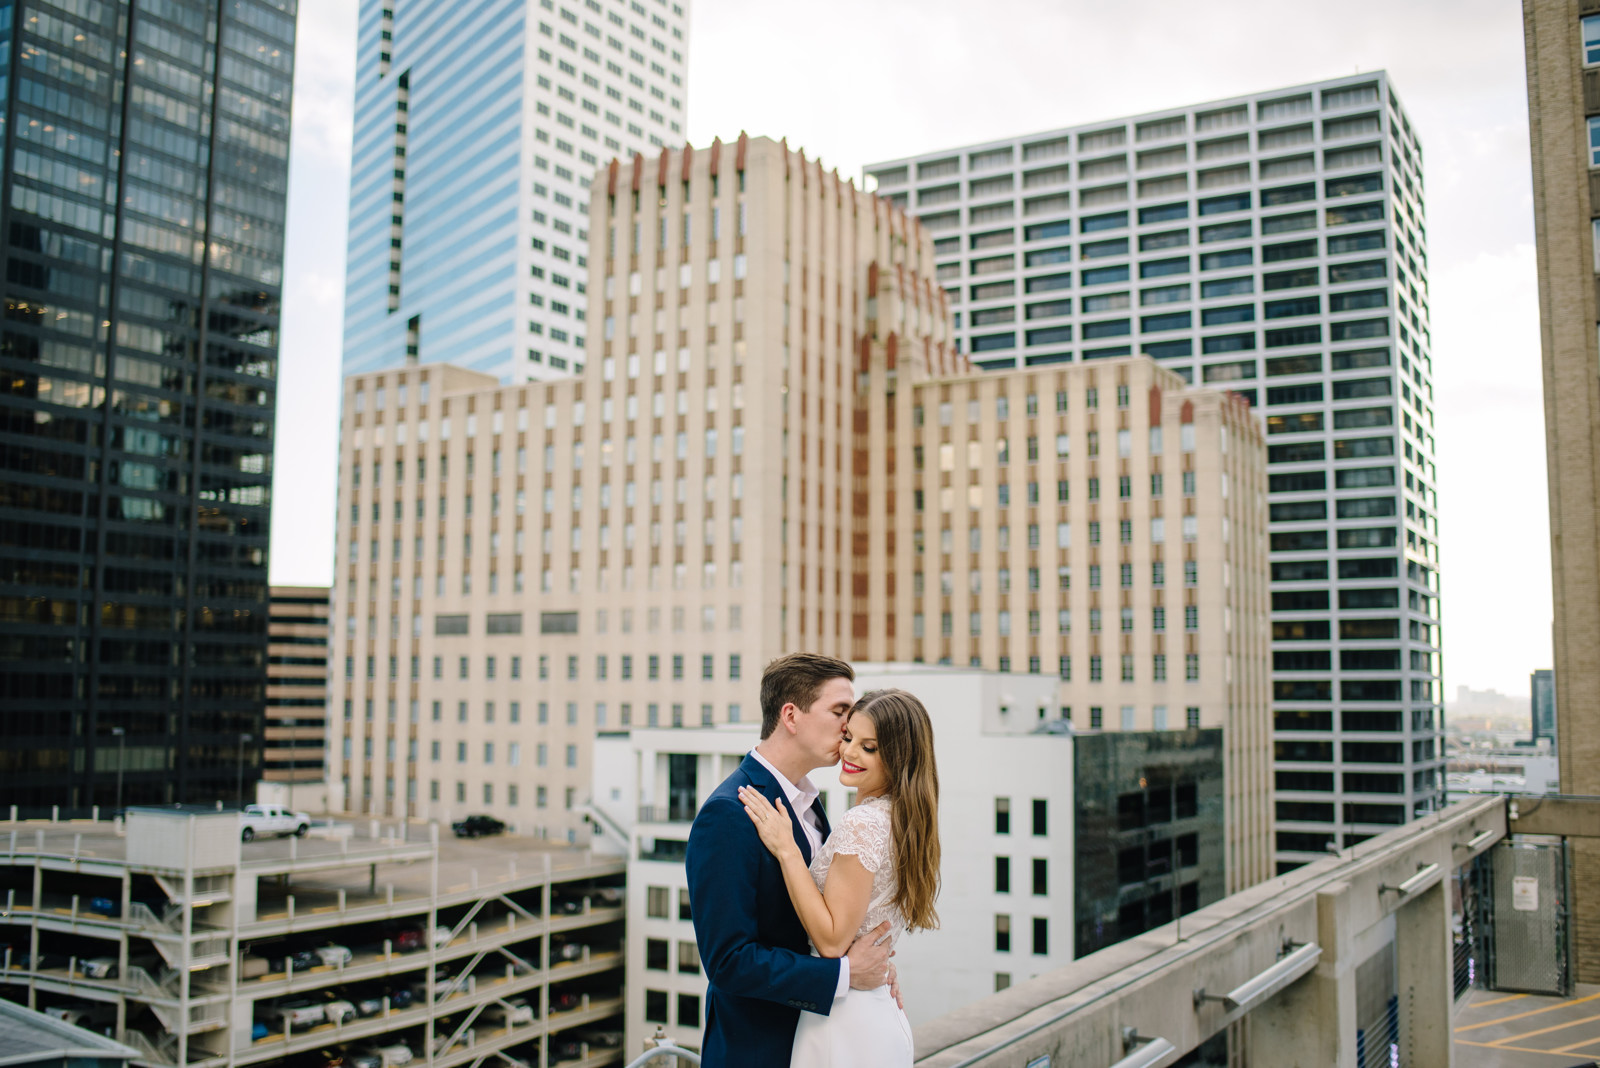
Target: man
(752, 944)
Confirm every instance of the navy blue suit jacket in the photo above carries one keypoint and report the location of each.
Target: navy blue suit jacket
(752, 944)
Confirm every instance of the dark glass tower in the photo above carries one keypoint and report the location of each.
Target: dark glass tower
(142, 199)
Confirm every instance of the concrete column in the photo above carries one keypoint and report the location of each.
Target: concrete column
(1312, 1024)
(1426, 967)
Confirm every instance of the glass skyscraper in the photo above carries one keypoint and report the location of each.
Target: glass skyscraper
(1274, 245)
(146, 149)
(478, 128)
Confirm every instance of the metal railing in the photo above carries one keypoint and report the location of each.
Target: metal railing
(666, 1051)
(665, 814)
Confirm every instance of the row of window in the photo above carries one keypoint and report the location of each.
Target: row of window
(1306, 248)
(1108, 138)
(1240, 230)
(651, 715)
(651, 662)
(513, 755)
(1350, 330)
(1156, 214)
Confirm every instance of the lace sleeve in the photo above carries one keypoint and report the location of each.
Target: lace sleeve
(865, 833)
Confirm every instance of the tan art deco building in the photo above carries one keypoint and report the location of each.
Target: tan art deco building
(1563, 51)
(774, 447)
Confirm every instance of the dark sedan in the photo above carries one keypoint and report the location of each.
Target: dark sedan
(477, 827)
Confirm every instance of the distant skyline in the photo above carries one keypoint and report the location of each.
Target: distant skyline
(911, 78)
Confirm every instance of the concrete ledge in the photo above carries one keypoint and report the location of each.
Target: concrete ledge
(1076, 1014)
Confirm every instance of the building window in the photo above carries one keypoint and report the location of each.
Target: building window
(655, 1006)
(1002, 981)
(1002, 815)
(688, 958)
(1002, 933)
(1041, 877)
(1594, 142)
(689, 1004)
(683, 905)
(1040, 812)
(1041, 936)
(655, 954)
(1591, 44)
(1192, 717)
(1002, 875)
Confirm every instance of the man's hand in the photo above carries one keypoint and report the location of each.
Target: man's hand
(869, 961)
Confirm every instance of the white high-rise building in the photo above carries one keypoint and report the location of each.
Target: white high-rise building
(1273, 244)
(477, 131)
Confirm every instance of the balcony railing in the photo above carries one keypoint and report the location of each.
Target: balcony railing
(665, 814)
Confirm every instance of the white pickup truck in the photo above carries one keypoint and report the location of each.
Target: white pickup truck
(258, 820)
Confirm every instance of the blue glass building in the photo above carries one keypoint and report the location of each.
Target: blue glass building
(478, 127)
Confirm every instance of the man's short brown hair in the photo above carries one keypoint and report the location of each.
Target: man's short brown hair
(796, 679)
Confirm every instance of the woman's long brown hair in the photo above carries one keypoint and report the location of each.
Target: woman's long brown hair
(905, 746)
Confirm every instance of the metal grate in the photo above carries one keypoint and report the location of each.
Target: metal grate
(1530, 951)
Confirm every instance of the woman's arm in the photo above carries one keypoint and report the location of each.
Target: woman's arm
(831, 916)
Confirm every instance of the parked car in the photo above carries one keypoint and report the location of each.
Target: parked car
(280, 958)
(258, 1031)
(606, 897)
(104, 905)
(99, 967)
(513, 1013)
(336, 1009)
(566, 950)
(565, 1049)
(368, 1000)
(257, 821)
(333, 955)
(565, 1002)
(380, 1056)
(600, 1038)
(569, 906)
(90, 1017)
(298, 1012)
(330, 1058)
(404, 939)
(477, 827)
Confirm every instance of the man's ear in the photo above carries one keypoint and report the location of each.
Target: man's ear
(788, 718)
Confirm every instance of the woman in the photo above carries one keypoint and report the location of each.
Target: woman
(881, 863)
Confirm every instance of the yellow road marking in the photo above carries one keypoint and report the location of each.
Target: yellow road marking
(1514, 1049)
(1547, 1030)
(1530, 1012)
(1576, 1045)
(1495, 1001)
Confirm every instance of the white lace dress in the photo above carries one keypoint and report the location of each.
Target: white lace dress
(865, 1028)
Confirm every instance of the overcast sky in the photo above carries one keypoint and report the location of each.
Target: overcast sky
(856, 81)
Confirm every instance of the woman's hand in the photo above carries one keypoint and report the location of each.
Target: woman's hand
(772, 824)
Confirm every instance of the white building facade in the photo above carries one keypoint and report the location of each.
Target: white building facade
(477, 131)
(1273, 244)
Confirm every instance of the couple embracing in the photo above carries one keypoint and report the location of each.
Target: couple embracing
(796, 921)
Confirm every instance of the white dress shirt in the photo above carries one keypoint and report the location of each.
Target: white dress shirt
(802, 799)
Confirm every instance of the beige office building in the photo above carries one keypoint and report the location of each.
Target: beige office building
(1563, 51)
(297, 686)
(774, 447)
